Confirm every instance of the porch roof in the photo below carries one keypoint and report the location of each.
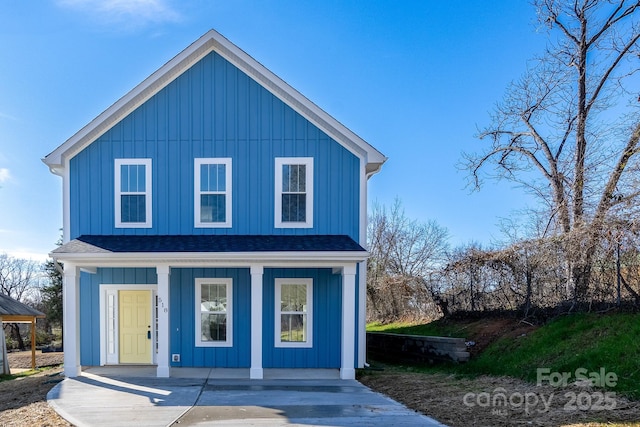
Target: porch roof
(210, 243)
(12, 310)
(239, 249)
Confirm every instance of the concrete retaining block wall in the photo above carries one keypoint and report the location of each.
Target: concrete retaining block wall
(415, 348)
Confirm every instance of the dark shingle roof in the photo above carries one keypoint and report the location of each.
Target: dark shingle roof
(211, 243)
(11, 307)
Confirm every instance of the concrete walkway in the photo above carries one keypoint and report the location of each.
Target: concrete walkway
(210, 397)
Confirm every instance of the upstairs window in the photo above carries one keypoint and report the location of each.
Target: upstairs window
(293, 312)
(212, 192)
(133, 193)
(294, 192)
(214, 313)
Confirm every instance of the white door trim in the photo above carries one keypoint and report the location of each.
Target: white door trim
(111, 319)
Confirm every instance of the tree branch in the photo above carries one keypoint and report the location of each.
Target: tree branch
(613, 20)
(606, 200)
(608, 72)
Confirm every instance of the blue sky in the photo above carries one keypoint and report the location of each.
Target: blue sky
(413, 78)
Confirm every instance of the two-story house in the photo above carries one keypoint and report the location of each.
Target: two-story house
(214, 217)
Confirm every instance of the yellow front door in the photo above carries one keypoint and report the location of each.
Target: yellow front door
(135, 326)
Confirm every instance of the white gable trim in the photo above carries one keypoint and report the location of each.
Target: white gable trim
(214, 41)
(128, 103)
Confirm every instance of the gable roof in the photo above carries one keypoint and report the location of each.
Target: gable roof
(213, 41)
(12, 307)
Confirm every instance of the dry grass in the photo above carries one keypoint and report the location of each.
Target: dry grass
(23, 401)
(442, 397)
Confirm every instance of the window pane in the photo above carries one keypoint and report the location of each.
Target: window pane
(133, 208)
(294, 207)
(213, 297)
(293, 297)
(124, 177)
(286, 177)
(285, 298)
(300, 178)
(141, 178)
(293, 327)
(294, 178)
(208, 177)
(213, 177)
(132, 178)
(221, 179)
(212, 185)
(214, 327)
(204, 177)
(213, 208)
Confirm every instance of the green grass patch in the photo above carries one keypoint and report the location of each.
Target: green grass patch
(590, 342)
(438, 328)
(25, 373)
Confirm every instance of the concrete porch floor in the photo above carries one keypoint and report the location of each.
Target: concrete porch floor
(213, 373)
(134, 396)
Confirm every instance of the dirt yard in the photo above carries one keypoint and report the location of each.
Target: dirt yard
(23, 401)
(453, 401)
(22, 359)
(467, 402)
(500, 401)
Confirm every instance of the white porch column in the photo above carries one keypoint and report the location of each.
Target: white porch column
(163, 369)
(362, 315)
(71, 320)
(255, 373)
(347, 371)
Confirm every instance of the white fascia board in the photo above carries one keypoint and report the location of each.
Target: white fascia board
(66, 203)
(362, 205)
(214, 41)
(226, 259)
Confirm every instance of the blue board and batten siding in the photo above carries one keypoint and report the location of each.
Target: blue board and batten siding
(325, 352)
(183, 318)
(327, 321)
(214, 110)
(90, 303)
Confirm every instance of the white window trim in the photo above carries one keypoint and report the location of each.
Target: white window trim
(308, 162)
(147, 193)
(196, 197)
(229, 341)
(277, 322)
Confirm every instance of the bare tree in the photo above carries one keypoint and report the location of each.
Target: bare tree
(568, 131)
(19, 279)
(403, 253)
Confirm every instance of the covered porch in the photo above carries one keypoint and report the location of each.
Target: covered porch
(339, 254)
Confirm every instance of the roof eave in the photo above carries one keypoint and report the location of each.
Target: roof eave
(20, 318)
(113, 259)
